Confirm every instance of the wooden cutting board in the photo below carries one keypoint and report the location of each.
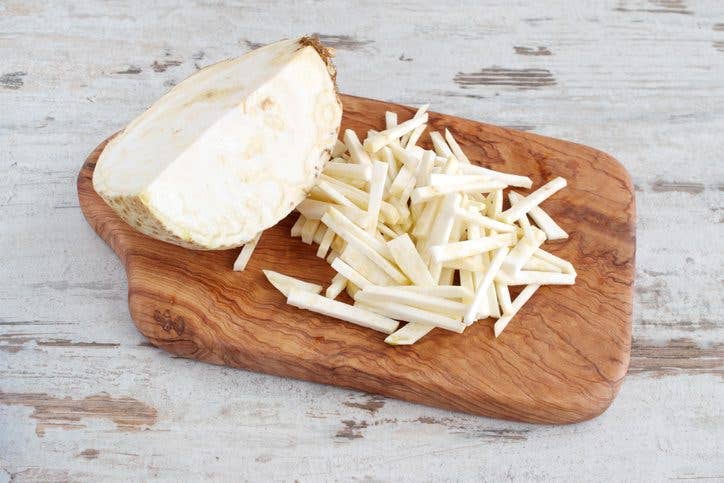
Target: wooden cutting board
(561, 360)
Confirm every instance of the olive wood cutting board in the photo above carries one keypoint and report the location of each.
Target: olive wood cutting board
(561, 360)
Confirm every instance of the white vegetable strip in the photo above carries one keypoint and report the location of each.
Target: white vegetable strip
(413, 314)
(447, 276)
(495, 207)
(356, 151)
(350, 273)
(493, 306)
(406, 256)
(520, 300)
(507, 178)
(426, 219)
(297, 226)
(398, 229)
(540, 265)
(425, 193)
(319, 234)
(404, 222)
(348, 170)
(338, 149)
(333, 194)
(405, 195)
(468, 248)
(390, 119)
(410, 140)
(245, 253)
(472, 314)
(357, 183)
(523, 221)
(334, 220)
(421, 110)
(484, 221)
(522, 252)
(362, 198)
(405, 157)
(403, 178)
(444, 291)
(477, 206)
(425, 168)
(472, 264)
(525, 277)
(386, 230)
(457, 231)
(439, 179)
(564, 265)
(486, 305)
(409, 334)
(315, 210)
(439, 145)
(377, 141)
(364, 266)
(377, 188)
(338, 244)
(373, 294)
(455, 148)
(552, 230)
(416, 151)
(504, 298)
(475, 232)
(442, 227)
(385, 155)
(332, 256)
(339, 310)
(524, 205)
(326, 242)
(308, 230)
(351, 289)
(344, 224)
(467, 282)
(335, 288)
(285, 283)
(445, 219)
(525, 226)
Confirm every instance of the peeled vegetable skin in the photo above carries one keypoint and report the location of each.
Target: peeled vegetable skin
(229, 151)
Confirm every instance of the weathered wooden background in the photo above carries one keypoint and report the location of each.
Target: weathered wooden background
(83, 397)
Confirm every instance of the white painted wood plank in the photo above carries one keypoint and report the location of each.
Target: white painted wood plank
(641, 80)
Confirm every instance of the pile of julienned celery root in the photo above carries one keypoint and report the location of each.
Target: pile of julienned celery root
(420, 236)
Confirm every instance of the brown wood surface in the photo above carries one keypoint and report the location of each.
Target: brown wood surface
(561, 360)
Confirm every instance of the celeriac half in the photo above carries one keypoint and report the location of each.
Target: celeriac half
(229, 151)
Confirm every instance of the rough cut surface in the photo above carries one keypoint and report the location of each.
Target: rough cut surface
(641, 80)
(229, 151)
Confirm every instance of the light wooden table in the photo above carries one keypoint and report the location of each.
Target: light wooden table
(83, 397)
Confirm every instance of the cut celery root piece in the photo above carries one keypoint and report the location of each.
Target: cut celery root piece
(411, 314)
(349, 313)
(409, 334)
(285, 283)
(520, 300)
(431, 303)
(245, 254)
(408, 259)
(239, 143)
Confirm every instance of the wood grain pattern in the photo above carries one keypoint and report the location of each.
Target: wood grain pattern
(562, 360)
